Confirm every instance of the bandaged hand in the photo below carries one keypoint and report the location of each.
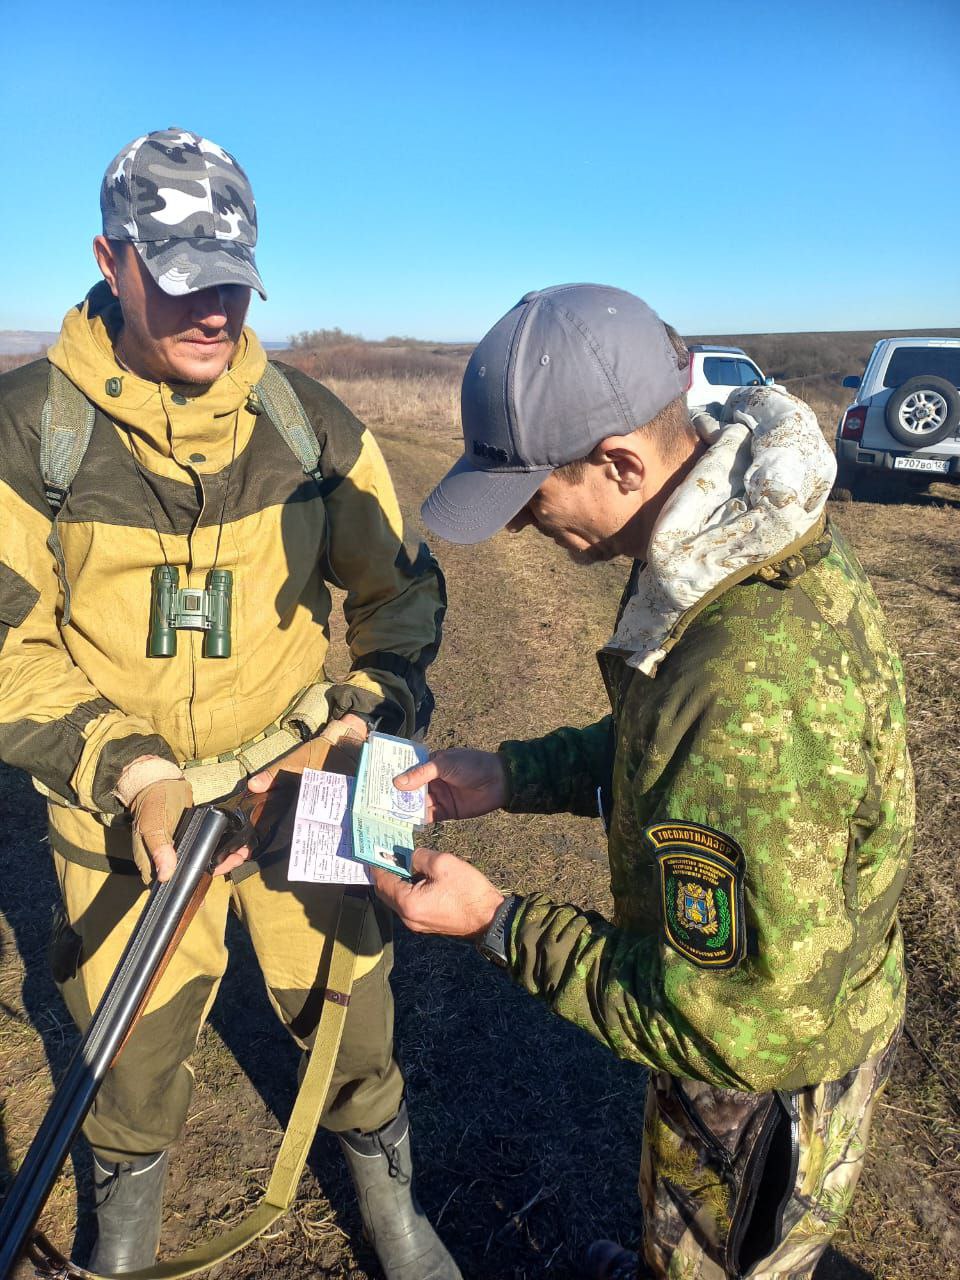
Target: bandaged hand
(156, 793)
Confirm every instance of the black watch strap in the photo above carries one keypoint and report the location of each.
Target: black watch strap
(493, 945)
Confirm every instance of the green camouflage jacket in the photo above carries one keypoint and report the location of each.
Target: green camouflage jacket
(760, 815)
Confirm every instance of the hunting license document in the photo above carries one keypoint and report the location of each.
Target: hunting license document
(342, 824)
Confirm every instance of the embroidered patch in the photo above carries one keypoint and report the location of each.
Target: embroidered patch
(701, 893)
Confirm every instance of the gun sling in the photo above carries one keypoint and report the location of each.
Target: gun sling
(294, 1148)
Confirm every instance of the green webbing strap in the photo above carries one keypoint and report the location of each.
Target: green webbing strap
(289, 417)
(66, 425)
(302, 1126)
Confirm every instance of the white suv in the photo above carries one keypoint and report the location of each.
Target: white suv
(906, 415)
(715, 372)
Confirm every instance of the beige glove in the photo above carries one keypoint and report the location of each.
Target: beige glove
(156, 793)
(336, 749)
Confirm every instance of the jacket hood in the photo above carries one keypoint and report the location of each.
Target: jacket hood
(755, 496)
(165, 424)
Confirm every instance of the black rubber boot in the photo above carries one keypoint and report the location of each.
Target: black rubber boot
(393, 1222)
(129, 1202)
(605, 1260)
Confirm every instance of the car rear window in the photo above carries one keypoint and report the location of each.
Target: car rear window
(911, 362)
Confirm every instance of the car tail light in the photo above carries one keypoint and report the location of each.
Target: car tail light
(854, 420)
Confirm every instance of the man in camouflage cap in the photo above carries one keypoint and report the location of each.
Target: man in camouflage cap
(753, 777)
(187, 207)
(156, 438)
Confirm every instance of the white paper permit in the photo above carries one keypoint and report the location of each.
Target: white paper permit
(322, 848)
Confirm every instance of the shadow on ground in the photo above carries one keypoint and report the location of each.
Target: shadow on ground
(527, 1134)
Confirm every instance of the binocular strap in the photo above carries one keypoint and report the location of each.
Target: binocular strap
(297, 1140)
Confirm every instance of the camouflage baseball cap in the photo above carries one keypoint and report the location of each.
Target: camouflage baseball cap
(187, 207)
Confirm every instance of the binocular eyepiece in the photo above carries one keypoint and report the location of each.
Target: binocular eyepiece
(174, 609)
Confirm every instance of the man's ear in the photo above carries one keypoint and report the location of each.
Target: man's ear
(108, 263)
(622, 462)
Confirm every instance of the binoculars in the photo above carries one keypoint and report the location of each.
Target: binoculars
(174, 609)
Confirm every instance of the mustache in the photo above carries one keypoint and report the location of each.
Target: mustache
(198, 335)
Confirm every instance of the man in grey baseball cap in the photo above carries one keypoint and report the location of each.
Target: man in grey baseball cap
(753, 767)
(560, 371)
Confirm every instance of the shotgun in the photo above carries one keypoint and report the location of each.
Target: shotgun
(204, 836)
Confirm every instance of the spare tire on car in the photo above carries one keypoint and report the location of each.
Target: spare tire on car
(925, 410)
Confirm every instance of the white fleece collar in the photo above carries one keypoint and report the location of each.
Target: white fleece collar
(762, 483)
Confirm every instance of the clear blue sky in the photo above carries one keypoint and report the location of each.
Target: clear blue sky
(417, 167)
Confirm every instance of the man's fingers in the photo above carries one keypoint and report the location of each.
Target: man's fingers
(391, 888)
(165, 860)
(232, 861)
(261, 781)
(418, 776)
(423, 861)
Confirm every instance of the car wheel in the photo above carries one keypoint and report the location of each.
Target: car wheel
(923, 411)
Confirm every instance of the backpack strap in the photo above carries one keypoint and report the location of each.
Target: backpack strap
(289, 417)
(66, 425)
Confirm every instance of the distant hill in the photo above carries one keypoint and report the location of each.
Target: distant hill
(813, 358)
(817, 362)
(22, 342)
(830, 356)
(29, 342)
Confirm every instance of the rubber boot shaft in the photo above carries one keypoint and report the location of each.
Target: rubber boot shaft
(382, 1170)
(129, 1201)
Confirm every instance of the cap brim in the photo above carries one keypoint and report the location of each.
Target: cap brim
(471, 504)
(186, 266)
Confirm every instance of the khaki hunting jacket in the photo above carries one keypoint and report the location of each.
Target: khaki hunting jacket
(760, 808)
(194, 478)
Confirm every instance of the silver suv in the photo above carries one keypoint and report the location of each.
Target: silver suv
(906, 415)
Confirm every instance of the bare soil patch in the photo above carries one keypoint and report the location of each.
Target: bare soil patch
(527, 1133)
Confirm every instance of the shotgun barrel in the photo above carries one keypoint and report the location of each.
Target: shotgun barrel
(201, 835)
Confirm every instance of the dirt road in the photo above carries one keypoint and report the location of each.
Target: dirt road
(527, 1132)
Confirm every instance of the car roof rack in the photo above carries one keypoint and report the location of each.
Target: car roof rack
(706, 346)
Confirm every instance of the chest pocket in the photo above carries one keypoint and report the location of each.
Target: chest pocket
(17, 598)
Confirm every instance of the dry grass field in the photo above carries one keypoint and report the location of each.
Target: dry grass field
(527, 1132)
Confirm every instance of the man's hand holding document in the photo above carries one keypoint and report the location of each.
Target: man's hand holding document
(343, 824)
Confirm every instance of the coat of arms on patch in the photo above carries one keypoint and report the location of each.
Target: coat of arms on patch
(701, 884)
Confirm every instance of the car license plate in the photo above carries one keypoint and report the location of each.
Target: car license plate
(920, 464)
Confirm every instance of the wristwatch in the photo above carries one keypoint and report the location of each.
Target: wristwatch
(493, 945)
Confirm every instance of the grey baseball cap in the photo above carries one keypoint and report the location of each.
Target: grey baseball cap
(187, 207)
(562, 370)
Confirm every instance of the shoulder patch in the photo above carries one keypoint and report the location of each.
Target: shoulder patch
(701, 893)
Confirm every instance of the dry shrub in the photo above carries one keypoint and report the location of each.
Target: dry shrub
(14, 360)
(427, 399)
(354, 358)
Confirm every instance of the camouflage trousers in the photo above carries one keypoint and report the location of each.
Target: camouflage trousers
(752, 1184)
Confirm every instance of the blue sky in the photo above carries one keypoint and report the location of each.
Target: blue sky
(417, 167)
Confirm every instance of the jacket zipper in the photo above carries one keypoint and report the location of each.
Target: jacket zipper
(706, 1137)
(789, 1101)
